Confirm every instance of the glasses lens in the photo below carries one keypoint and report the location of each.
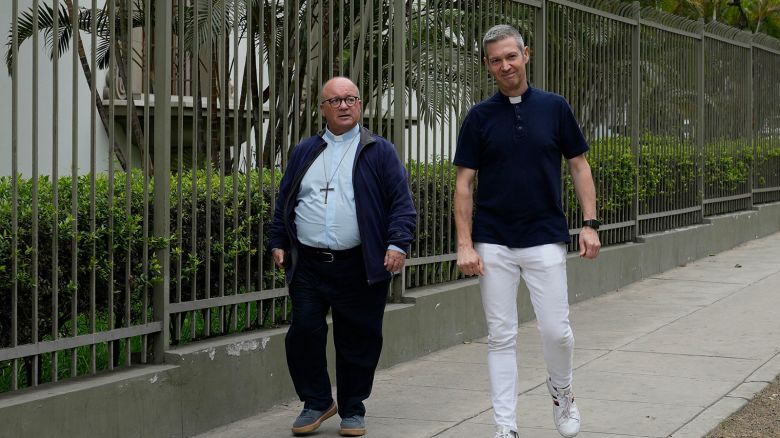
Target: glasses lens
(335, 102)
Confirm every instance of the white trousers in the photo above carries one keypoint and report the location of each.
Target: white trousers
(543, 268)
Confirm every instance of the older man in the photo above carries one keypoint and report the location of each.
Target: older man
(515, 140)
(343, 222)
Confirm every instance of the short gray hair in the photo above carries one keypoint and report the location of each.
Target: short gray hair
(499, 32)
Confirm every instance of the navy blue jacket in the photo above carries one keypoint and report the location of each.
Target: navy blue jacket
(383, 203)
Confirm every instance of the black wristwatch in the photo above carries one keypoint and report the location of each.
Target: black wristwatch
(593, 223)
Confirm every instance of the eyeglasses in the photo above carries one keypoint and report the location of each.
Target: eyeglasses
(335, 102)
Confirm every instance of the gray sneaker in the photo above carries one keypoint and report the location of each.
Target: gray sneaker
(310, 419)
(353, 426)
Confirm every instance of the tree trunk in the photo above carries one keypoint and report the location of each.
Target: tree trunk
(121, 60)
(98, 101)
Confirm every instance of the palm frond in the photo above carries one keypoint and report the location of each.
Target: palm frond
(46, 26)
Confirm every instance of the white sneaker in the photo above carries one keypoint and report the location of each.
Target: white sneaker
(565, 412)
(505, 432)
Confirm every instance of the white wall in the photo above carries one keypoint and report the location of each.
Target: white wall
(45, 108)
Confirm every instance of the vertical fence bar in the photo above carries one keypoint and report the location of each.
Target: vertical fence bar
(93, 184)
(112, 73)
(420, 125)
(430, 167)
(209, 159)
(636, 85)
(702, 126)
(235, 154)
(750, 122)
(260, 136)
(147, 167)
(15, 192)
(540, 45)
(284, 140)
(180, 55)
(197, 103)
(271, 140)
(250, 59)
(130, 119)
(74, 203)
(34, 235)
(446, 163)
(162, 170)
(329, 41)
(224, 101)
(399, 84)
(55, 199)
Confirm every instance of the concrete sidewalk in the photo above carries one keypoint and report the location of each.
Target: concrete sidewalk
(671, 355)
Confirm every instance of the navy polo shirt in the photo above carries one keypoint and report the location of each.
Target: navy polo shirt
(516, 150)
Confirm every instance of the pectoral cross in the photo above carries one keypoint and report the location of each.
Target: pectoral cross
(327, 189)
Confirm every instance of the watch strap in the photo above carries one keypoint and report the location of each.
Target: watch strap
(592, 223)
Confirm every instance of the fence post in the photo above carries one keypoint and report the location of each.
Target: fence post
(752, 127)
(700, 123)
(540, 46)
(162, 166)
(399, 79)
(636, 84)
(398, 282)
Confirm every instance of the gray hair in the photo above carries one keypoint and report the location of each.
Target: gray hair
(499, 32)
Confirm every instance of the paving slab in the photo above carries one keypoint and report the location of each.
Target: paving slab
(705, 368)
(672, 355)
(709, 418)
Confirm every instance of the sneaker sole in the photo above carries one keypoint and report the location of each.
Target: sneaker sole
(316, 424)
(352, 432)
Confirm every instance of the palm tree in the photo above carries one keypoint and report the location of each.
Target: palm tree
(59, 44)
(302, 43)
(751, 15)
(352, 38)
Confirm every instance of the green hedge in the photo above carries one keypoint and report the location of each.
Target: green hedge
(126, 242)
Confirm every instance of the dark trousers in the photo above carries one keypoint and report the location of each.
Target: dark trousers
(357, 310)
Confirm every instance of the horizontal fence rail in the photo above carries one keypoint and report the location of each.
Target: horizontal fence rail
(144, 156)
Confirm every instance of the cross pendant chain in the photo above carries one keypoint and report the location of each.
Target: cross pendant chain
(327, 189)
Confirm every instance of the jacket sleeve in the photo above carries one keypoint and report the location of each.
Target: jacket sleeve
(277, 233)
(402, 216)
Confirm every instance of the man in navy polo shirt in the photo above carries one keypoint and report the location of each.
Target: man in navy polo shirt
(514, 140)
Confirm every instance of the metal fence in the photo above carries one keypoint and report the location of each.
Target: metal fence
(160, 238)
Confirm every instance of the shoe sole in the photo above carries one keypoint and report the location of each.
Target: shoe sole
(301, 430)
(352, 432)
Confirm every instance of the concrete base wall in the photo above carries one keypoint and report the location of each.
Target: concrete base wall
(214, 382)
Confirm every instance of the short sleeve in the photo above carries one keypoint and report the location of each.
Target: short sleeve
(467, 151)
(572, 142)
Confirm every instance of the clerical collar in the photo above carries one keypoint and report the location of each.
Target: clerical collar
(347, 136)
(515, 99)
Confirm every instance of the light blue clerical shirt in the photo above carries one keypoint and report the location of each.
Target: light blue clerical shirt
(325, 213)
(332, 224)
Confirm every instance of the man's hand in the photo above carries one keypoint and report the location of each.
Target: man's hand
(589, 243)
(278, 255)
(394, 260)
(469, 261)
